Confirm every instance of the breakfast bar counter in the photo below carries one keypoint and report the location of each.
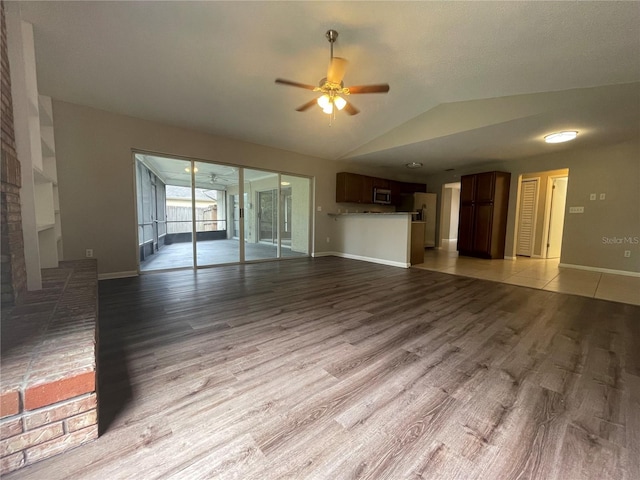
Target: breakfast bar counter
(378, 237)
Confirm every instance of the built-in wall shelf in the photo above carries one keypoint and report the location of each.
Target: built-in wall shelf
(40, 176)
(45, 111)
(46, 190)
(36, 149)
(45, 226)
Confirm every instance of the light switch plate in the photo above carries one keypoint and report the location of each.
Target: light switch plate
(592, 196)
(602, 196)
(576, 209)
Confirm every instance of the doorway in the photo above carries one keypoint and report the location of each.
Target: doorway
(540, 213)
(558, 187)
(449, 215)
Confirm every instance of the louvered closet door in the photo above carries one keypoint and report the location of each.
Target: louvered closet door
(526, 221)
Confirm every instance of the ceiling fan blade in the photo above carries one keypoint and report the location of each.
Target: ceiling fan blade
(307, 105)
(350, 109)
(337, 67)
(294, 84)
(381, 88)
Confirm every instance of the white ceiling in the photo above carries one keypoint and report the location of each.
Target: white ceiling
(470, 81)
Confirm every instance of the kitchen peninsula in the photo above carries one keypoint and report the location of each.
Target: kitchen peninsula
(383, 238)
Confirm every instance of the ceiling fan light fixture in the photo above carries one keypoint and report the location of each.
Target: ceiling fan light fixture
(188, 169)
(413, 165)
(339, 102)
(324, 101)
(332, 86)
(560, 137)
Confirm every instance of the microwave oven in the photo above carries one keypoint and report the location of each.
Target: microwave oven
(382, 196)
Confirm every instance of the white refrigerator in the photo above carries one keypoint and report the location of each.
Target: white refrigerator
(424, 204)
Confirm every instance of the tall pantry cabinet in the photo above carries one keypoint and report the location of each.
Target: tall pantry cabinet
(484, 198)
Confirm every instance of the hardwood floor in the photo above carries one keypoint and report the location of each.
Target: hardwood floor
(337, 369)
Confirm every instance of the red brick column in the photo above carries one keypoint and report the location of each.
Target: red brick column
(14, 275)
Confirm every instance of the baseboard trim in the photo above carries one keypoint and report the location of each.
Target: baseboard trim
(113, 275)
(600, 270)
(506, 257)
(324, 254)
(350, 256)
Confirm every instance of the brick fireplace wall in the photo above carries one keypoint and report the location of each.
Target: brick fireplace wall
(48, 337)
(14, 275)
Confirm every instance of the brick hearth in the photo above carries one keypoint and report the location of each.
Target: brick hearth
(48, 398)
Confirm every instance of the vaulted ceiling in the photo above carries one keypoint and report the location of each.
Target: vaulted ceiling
(471, 82)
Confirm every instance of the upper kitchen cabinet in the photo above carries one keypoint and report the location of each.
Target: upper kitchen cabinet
(409, 187)
(354, 188)
(380, 183)
(484, 198)
(395, 188)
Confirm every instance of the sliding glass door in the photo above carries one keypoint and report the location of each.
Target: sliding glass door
(164, 213)
(215, 243)
(268, 217)
(198, 214)
(261, 215)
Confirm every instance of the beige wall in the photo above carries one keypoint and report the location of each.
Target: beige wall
(613, 170)
(96, 177)
(96, 186)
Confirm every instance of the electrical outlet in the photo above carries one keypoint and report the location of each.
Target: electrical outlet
(627, 253)
(319, 208)
(88, 253)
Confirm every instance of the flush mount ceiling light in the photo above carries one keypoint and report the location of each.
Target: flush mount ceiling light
(560, 137)
(413, 165)
(188, 169)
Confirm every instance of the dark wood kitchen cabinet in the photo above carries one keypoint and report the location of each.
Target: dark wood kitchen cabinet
(354, 188)
(396, 191)
(484, 198)
(380, 183)
(409, 187)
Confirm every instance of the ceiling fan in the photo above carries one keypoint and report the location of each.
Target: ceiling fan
(332, 87)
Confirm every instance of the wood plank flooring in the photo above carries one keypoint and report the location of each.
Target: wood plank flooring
(337, 369)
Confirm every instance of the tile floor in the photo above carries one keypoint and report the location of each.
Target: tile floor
(535, 273)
